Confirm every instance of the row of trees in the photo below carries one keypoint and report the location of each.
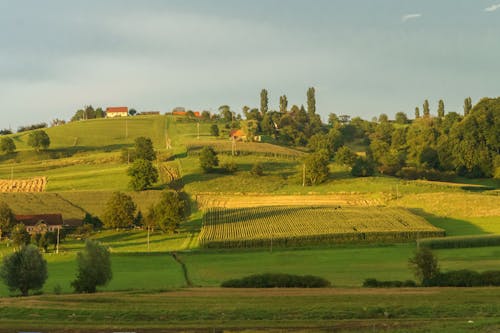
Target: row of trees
(38, 140)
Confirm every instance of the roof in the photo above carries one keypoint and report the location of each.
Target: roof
(48, 219)
(237, 133)
(117, 109)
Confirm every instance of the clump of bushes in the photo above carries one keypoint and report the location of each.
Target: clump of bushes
(277, 280)
(229, 167)
(374, 283)
(31, 127)
(257, 170)
(466, 278)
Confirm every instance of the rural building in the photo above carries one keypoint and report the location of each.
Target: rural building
(116, 111)
(41, 223)
(237, 135)
(197, 114)
(149, 113)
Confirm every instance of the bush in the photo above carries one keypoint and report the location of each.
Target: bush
(31, 127)
(460, 278)
(230, 167)
(490, 278)
(257, 170)
(374, 283)
(362, 168)
(277, 280)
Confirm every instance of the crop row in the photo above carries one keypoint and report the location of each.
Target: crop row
(261, 226)
(27, 185)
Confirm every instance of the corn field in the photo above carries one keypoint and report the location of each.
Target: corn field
(23, 185)
(295, 226)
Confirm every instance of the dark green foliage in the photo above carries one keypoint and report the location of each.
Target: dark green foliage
(345, 156)
(214, 130)
(21, 129)
(5, 131)
(440, 109)
(277, 280)
(374, 283)
(119, 211)
(257, 169)
(144, 149)
(94, 268)
(424, 265)
(362, 168)
(143, 174)
(7, 145)
(465, 278)
(94, 221)
(467, 105)
(426, 109)
(264, 101)
(417, 113)
(88, 112)
(459, 242)
(311, 101)
(24, 270)
(401, 118)
(316, 168)
(39, 140)
(169, 212)
(283, 104)
(7, 218)
(229, 167)
(429, 158)
(208, 159)
(19, 235)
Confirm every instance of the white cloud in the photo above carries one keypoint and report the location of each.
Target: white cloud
(410, 17)
(492, 8)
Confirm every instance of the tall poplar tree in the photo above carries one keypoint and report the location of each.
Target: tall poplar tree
(264, 101)
(283, 104)
(426, 109)
(417, 113)
(311, 101)
(441, 109)
(467, 105)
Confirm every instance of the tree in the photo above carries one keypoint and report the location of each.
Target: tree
(426, 109)
(283, 104)
(441, 109)
(169, 212)
(144, 149)
(316, 168)
(19, 235)
(226, 113)
(362, 167)
(383, 118)
(214, 130)
(467, 105)
(143, 174)
(119, 211)
(424, 265)
(264, 101)
(311, 101)
(24, 270)
(7, 218)
(401, 118)
(39, 140)
(7, 145)
(132, 112)
(417, 113)
(208, 159)
(345, 156)
(94, 267)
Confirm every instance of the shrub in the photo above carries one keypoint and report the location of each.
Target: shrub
(208, 159)
(490, 278)
(460, 278)
(94, 268)
(460, 242)
(374, 283)
(362, 168)
(230, 167)
(277, 280)
(257, 169)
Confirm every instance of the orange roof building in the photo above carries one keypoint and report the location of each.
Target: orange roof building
(116, 111)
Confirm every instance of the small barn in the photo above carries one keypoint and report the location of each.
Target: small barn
(116, 111)
(41, 223)
(237, 135)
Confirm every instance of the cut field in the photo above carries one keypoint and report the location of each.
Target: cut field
(226, 146)
(295, 226)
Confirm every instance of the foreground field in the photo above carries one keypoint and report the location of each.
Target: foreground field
(217, 310)
(301, 225)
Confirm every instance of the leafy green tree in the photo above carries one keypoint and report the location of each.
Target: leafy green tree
(426, 109)
(39, 140)
(208, 159)
(467, 105)
(429, 158)
(441, 109)
(19, 236)
(24, 270)
(424, 265)
(143, 174)
(383, 118)
(226, 113)
(7, 218)
(132, 112)
(94, 268)
(214, 130)
(345, 156)
(316, 168)
(283, 104)
(264, 101)
(170, 211)
(119, 211)
(362, 167)
(144, 149)
(401, 118)
(7, 145)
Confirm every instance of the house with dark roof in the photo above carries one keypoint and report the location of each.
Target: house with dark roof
(41, 223)
(116, 111)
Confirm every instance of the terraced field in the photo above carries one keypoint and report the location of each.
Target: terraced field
(283, 226)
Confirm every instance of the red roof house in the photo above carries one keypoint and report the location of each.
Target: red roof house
(117, 111)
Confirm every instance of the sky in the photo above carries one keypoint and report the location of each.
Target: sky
(363, 57)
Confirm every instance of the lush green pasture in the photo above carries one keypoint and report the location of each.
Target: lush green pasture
(212, 310)
(343, 266)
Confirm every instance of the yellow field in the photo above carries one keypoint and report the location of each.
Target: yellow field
(258, 227)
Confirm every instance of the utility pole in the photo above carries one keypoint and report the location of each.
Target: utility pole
(233, 146)
(57, 244)
(126, 128)
(11, 177)
(304, 175)
(148, 237)
(198, 129)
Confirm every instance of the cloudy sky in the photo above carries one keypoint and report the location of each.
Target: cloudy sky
(364, 57)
